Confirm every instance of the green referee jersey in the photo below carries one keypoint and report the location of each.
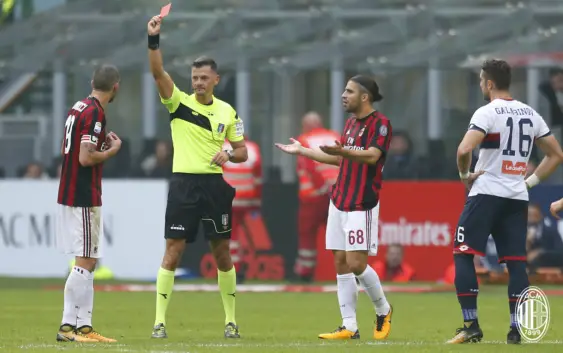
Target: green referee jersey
(199, 131)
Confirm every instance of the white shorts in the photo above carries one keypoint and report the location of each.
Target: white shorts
(80, 231)
(352, 231)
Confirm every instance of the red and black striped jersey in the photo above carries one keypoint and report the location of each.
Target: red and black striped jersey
(81, 186)
(358, 184)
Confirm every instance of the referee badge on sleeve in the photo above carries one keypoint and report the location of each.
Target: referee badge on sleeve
(239, 128)
(221, 128)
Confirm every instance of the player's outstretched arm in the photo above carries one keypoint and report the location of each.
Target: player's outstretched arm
(162, 78)
(369, 156)
(89, 156)
(296, 148)
(553, 157)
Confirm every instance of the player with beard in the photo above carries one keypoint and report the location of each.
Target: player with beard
(505, 130)
(352, 223)
(80, 230)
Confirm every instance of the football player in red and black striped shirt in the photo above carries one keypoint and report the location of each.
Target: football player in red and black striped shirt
(85, 148)
(354, 207)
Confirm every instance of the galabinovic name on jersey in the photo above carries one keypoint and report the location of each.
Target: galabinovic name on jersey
(512, 111)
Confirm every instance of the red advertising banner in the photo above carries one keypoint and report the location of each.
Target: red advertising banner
(422, 217)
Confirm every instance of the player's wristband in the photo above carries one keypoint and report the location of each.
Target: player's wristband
(154, 42)
(532, 181)
(464, 176)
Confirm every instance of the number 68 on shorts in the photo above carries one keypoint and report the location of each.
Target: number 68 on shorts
(352, 231)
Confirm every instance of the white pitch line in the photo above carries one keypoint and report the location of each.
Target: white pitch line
(166, 347)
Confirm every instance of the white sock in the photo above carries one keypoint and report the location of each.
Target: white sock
(70, 309)
(75, 290)
(370, 281)
(87, 304)
(347, 299)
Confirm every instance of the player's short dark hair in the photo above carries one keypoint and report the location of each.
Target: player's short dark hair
(499, 72)
(105, 77)
(205, 61)
(369, 85)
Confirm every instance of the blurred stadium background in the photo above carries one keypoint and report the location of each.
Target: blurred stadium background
(279, 59)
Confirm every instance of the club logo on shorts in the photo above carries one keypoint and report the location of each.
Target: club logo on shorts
(532, 314)
(221, 128)
(383, 130)
(225, 221)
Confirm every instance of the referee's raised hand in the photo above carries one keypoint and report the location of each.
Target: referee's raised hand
(154, 26)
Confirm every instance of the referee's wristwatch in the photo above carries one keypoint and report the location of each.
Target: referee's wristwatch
(230, 153)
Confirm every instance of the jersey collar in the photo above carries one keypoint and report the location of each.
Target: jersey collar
(96, 101)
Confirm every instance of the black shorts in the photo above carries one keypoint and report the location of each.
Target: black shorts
(505, 219)
(195, 199)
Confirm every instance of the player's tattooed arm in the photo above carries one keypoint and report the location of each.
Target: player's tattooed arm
(90, 156)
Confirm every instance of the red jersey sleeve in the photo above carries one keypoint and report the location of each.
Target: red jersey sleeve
(92, 125)
(382, 134)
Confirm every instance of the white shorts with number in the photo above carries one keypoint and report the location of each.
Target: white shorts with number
(80, 231)
(352, 231)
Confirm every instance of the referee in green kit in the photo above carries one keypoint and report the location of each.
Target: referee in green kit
(200, 124)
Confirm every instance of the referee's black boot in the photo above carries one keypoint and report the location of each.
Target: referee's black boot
(513, 336)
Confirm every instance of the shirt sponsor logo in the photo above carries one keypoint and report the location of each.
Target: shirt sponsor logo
(514, 168)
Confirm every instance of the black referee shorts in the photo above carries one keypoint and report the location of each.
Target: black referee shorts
(195, 198)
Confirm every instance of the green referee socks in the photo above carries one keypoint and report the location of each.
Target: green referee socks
(164, 285)
(228, 286)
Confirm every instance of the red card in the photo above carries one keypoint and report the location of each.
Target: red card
(165, 10)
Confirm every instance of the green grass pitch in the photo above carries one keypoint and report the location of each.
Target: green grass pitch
(269, 322)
